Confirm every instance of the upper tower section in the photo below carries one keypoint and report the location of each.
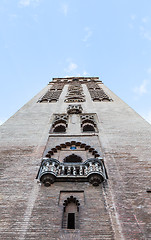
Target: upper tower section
(74, 90)
(73, 129)
(71, 79)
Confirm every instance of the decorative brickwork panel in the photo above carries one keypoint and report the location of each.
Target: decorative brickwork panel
(60, 123)
(74, 109)
(53, 93)
(97, 93)
(88, 123)
(75, 92)
(80, 147)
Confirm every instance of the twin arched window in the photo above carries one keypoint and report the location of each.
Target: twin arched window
(62, 128)
(60, 123)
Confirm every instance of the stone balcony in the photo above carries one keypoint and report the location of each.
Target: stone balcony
(91, 170)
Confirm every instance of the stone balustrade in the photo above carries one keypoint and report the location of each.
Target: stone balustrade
(52, 170)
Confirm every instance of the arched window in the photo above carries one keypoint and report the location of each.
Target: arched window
(88, 123)
(105, 100)
(70, 213)
(59, 128)
(73, 159)
(88, 128)
(60, 123)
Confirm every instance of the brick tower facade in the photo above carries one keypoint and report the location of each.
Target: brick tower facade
(75, 164)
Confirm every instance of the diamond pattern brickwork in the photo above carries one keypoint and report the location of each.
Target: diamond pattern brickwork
(97, 93)
(53, 94)
(75, 92)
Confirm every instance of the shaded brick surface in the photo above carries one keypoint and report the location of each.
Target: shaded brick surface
(117, 209)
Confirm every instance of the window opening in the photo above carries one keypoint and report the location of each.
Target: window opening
(71, 221)
(60, 128)
(70, 213)
(88, 128)
(73, 159)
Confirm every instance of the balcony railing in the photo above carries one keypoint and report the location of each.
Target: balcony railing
(52, 170)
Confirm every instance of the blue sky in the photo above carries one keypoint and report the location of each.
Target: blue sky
(42, 39)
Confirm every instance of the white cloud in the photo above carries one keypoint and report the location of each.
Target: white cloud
(149, 70)
(88, 34)
(71, 67)
(142, 89)
(82, 74)
(131, 26)
(145, 19)
(67, 76)
(26, 3)
(145, 33)
(65, 9)
(35, 17)
(85, 73)
(133, 17)
(13, 16)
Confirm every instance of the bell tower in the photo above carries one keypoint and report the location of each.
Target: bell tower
(73, 156)
(76, 165)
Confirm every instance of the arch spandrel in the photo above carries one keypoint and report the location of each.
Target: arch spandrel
(83, 150)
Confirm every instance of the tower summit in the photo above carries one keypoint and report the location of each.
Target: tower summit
(75, 164)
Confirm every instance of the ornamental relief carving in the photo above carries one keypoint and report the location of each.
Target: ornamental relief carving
(53, 94)
(74, 109)
(75, 92)
(88, 123)
(97, 93)
(60, 123)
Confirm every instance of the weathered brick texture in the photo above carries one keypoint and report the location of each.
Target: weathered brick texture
(119, 208)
